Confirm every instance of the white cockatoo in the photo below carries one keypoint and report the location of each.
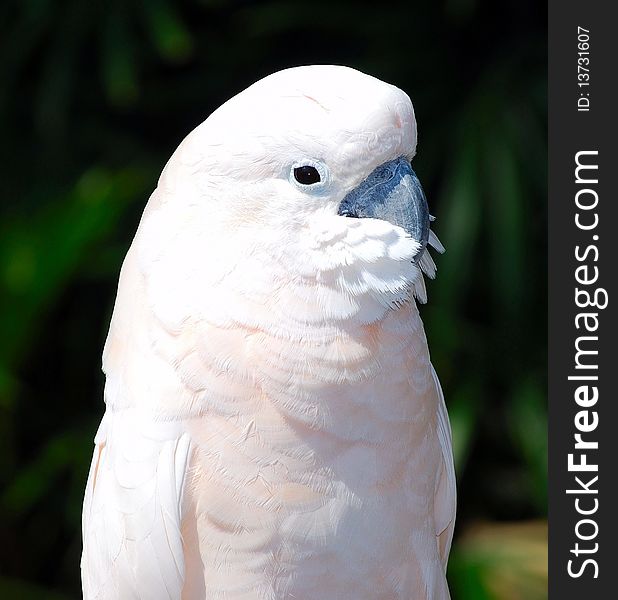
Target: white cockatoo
(274, 428)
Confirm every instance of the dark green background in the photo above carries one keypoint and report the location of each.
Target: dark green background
(95, 96)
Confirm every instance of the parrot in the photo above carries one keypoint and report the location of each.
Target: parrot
(274, 428)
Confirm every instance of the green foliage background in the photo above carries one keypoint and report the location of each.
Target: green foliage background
(95, 96)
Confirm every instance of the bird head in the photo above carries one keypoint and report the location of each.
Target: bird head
(304, 178)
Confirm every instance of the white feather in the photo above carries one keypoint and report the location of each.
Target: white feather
(133, 509)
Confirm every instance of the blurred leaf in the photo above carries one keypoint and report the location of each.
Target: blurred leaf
(172, 39)
(528, 423)
(37, 480)
(117, 55)
(506, 206)
(38, 255)
(460, 218)
(500, 562)
(464, 407)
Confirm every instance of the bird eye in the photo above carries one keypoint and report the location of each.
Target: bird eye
(307, 175)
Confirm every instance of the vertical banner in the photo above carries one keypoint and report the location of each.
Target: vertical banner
(583, 268)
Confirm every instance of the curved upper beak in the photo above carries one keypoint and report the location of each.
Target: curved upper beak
(392, 192)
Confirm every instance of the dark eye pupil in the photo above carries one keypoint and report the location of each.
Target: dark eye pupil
(306, 175)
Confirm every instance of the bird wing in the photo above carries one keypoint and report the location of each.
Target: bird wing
(133, 509)
(445, 501)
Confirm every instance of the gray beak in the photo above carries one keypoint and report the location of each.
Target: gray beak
(393, 193)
